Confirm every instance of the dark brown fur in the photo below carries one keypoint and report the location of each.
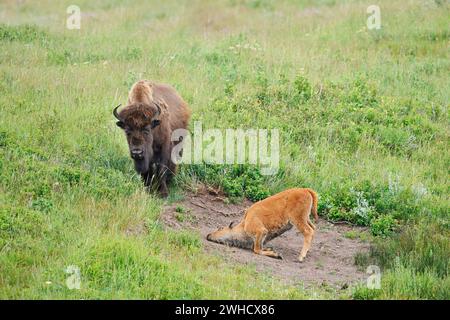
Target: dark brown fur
(152, 113)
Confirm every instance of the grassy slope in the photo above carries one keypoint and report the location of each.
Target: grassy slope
(362, 115)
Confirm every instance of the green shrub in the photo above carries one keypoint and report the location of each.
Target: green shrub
(22, 33)
(368, 204)
(361, 95)
(422, 247)
(17, 221)
(42, 204)
(237, 181)
(180, 209)
(383, 225)
(256, 193)
(303, 89)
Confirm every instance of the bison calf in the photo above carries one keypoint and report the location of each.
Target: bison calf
(152, 113)
(270, 218)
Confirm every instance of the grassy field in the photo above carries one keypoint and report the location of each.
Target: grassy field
(363, 118)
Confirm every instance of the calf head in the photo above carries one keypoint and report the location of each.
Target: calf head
(233, 235)
(139, 121)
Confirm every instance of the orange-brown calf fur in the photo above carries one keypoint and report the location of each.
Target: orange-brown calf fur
(271, 217)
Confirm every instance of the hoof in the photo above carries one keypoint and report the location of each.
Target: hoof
(274, 255)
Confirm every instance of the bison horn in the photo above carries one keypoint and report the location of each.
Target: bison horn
(115, 112)
(159, 109)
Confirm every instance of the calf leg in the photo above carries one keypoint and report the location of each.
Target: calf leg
(308, 234)
(256, 229)
(258, 247)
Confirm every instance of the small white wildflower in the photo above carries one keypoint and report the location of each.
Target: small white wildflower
(362, 208)
(394, 184)
(419, 190)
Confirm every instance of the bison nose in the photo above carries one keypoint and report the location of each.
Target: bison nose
(137, 154)
(208, 237)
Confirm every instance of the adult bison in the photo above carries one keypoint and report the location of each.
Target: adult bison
(152, 113)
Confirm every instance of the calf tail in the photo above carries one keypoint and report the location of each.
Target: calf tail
(314, 206)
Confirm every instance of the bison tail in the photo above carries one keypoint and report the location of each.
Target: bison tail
(314, 206)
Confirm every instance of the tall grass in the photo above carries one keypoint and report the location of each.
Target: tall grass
(363, 117)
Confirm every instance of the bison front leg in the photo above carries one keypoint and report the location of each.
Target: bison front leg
(148, 177)
(162, 173)
(164, 170)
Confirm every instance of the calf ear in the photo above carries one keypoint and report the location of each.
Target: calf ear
(120, 124)
(232, 224)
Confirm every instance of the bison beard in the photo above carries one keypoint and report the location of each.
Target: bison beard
(153, 112)
(143, 167)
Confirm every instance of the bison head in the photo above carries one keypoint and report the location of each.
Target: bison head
(138, 121)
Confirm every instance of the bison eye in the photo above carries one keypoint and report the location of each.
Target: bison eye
(155, 123)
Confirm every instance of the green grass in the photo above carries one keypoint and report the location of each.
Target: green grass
(363, 119)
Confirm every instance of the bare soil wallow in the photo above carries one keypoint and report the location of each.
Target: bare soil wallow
(329, 261)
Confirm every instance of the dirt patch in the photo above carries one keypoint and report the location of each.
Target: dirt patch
(329, 261)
